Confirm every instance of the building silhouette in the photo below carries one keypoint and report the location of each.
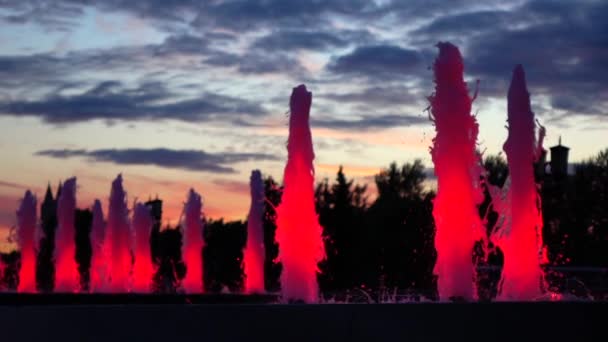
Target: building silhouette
(559, 160)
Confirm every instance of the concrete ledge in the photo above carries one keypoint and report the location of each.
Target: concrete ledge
(514, 322)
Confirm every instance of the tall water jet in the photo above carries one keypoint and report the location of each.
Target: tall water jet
(99, 274)
(143, 269)
(66, 269)
(26, 232)
(254, 250)
(521, 239)
(118, 237)
(458, 172)
(298, 231)
(193, 243)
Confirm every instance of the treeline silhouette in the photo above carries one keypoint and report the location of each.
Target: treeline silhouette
(379, 246)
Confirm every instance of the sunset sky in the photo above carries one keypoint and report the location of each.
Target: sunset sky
(180, 94)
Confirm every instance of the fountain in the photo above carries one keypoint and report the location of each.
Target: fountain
(26, 235)
(458, 172)
(66, 279)
(521, 238)
(121, 252)
(193, 243)
(118, 239)
(99, 274)
(143, 268)
(254, 251)
(298, 231)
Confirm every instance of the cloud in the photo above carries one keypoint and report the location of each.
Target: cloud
(379, 95)
(570, 70)
(562, 45)
(190, 160)
(377, 61)
(233, 186)
(244, 15)
(259, 63)
(371, 122)
(110, 100)
(289, 39)
(55, 16)
(12, 185)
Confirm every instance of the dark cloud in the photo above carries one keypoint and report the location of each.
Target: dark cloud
(562, 44)
(52, 69)
(256, 62)
(564, 52)
(175, 16)
(462, 27)
(244, 15)
(379, 95)
(191, 160)
(378, 61)
(312, 40)
(371, 122)
(187, 44)
(31, 72)
(54, 16)
(259, 63)
(422, 10)
(109, 100)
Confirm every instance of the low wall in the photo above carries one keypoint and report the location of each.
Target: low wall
(241, 321)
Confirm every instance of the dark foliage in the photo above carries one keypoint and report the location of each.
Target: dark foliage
(272, 268)
(167, 256)
(386, 245)
(341, 209)
(84, 249)
(45, 264)
(10, 264)
(403, 230)
(223, 255)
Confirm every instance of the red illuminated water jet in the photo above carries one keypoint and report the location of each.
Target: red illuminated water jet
(99, 275)
(298, 231)
(458, 171)
(143, 268)
(118, 239)
(521, 239)
(193, 243)
(26, 229)
(66, 269)
(254, 251)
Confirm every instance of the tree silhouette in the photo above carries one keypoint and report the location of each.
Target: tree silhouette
(223, 255)
(84, 249)
(167, 255)
(403, 229)
(341, 210)
(384, 246)
(45, 263)
(9, 265)
(272, 268)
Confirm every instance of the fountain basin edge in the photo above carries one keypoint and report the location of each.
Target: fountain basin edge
(242, 317)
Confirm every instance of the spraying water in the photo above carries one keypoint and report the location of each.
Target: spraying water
(521, 239)
(143, 269)
(458, 171)
(298, 231)
(193, 243)
(66, 276)
(26, 231)
(99, 274)
(254, 251)
(118, 239)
